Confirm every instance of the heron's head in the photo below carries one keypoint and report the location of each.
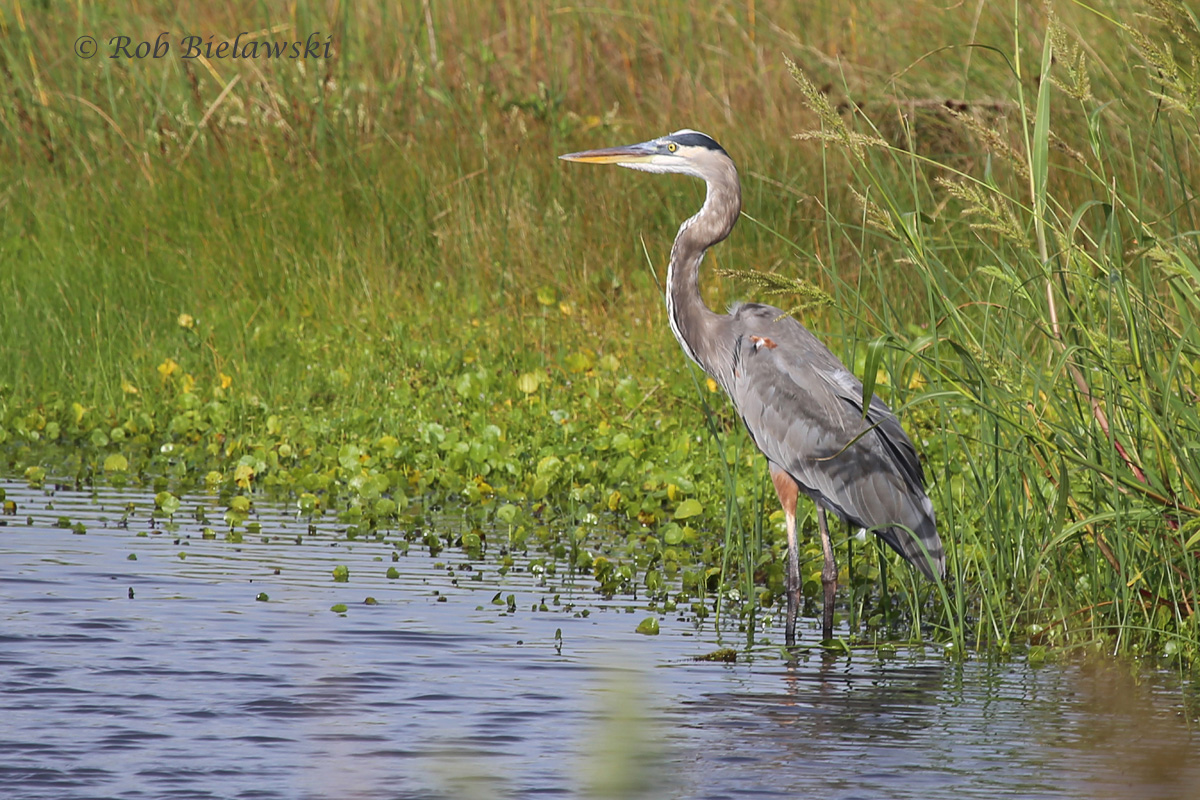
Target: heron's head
(688, 152)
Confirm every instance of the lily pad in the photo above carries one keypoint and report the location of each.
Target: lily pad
(115, 462)
(166, 503)
(688, 508)
(36, 476)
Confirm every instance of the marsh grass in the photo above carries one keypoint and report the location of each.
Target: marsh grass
(370, 276)
(1060, 343)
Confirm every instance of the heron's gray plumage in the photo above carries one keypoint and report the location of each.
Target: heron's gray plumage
(800, 404)
(804, 411)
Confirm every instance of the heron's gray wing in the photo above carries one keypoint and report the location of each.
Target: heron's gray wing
(803, 409)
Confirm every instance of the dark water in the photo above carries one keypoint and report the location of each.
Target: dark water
(193, 689)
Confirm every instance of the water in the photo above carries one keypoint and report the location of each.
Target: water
(192, 688)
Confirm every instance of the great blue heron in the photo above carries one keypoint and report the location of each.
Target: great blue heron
(801, 405)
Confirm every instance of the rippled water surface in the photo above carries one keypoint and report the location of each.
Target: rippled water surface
(164, 677)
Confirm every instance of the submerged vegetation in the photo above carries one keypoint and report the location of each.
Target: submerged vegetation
(365, 285)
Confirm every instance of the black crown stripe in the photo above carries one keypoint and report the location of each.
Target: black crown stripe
(697, 140)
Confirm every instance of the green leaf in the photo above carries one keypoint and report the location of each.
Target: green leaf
(578, 362)
(438, 95)
(370, 487)
(1194, 537)
(688, 508)
(116, 462)
(648, 626)
(1064, 494)
(874, 356)
(549, 468)
(1040, 155)
(529, 382)
(166, 502)
(348, 456)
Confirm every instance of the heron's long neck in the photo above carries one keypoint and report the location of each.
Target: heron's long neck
(697, 328)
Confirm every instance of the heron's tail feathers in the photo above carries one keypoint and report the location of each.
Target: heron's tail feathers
(920, 545)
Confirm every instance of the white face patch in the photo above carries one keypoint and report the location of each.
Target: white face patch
(663, 164)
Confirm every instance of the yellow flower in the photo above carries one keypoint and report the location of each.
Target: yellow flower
(243, 475)
(168, 368)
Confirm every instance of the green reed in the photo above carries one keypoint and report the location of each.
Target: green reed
(1052, 384)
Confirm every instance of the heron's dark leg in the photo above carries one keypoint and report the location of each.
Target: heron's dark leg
(828, 576)
(788, 491)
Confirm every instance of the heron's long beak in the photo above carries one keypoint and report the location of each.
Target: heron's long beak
(626, 154)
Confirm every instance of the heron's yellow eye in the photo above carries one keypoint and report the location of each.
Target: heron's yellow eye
(671, 147)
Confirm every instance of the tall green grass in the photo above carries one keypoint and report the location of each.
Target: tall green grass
(1055, 372)
(997, 201)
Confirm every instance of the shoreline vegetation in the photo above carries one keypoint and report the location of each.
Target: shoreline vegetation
(364, 284)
